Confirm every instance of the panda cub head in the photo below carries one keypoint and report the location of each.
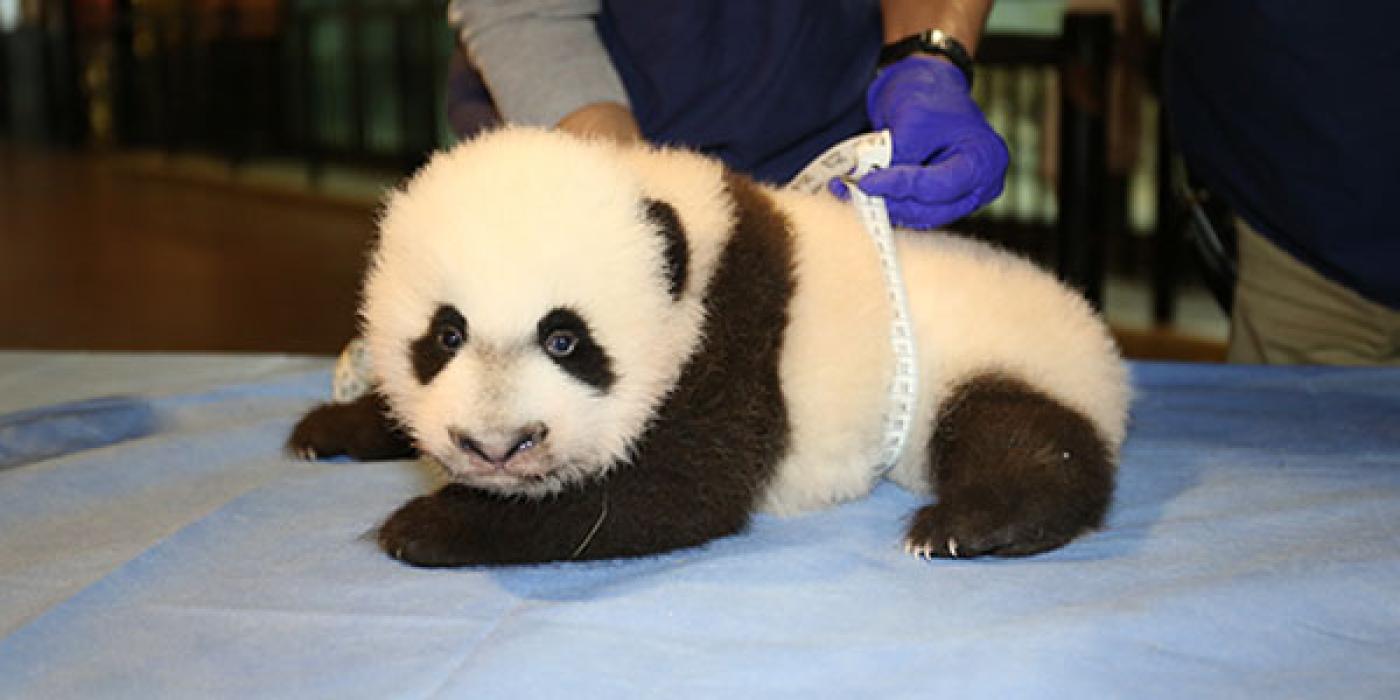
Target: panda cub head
(526, 309)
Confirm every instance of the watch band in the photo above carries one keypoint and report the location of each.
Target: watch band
(932, 41)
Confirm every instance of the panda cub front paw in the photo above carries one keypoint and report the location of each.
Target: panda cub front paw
(436, 530)
(360, 429)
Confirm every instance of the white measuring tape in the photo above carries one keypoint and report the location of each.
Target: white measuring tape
(851, 160)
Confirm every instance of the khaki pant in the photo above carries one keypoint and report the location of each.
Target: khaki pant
(1287, 313)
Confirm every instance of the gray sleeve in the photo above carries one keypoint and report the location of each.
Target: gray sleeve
(541, 59)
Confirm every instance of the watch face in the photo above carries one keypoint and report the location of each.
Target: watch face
(935, 38)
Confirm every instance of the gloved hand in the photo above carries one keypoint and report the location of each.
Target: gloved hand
(947, 160)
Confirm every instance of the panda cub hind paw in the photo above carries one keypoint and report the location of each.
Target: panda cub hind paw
(948, 531)
(1016, 471)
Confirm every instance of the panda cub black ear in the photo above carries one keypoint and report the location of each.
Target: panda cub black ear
(668, 225)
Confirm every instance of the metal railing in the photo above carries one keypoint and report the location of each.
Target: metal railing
(1060, 220)
(352, 82)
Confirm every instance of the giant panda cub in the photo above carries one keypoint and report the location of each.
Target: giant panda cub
(615, 351)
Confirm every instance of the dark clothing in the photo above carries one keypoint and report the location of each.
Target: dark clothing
(765, 86)
(1289, 110)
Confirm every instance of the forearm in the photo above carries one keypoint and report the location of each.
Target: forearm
(961, 19)
(542, 59)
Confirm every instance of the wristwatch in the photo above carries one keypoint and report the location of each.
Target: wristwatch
(933, 41)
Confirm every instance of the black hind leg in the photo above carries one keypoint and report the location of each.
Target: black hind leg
(1016, 473)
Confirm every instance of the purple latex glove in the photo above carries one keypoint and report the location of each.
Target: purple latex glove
(947, 160)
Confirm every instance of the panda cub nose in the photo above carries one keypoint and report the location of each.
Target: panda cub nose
(499, 449)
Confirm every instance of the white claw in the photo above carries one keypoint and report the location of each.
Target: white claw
(927, 551)
(915, 550)
(308, 454)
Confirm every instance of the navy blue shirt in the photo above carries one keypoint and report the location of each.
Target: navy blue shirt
(764, 85)
(1290, 111)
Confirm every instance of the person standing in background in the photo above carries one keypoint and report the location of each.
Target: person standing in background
(1287, 111)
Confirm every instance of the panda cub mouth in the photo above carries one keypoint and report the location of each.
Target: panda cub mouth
(532, 476)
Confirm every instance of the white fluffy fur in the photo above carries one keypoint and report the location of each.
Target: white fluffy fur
(975, 309)
(516, 223)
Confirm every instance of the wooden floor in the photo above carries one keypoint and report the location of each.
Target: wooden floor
(98, 255)
(111, 254)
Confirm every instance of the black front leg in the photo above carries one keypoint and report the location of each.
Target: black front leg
(633, 512)
(361, 429)
(459, 526)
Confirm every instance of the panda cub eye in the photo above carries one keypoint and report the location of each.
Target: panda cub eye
(450, 338)
(561, 343)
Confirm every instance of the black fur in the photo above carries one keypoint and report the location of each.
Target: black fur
(1016, 473)
(677, 250)
(428, 353)
(589, 362)
(710, 451)
(360, 429)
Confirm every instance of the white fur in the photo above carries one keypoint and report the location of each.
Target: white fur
(975, 309)
(521, 221)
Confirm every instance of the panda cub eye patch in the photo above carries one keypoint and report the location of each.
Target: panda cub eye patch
(445, 335)
(566, 339)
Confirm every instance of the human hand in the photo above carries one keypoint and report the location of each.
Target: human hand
(608, 120)
(947, 160)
